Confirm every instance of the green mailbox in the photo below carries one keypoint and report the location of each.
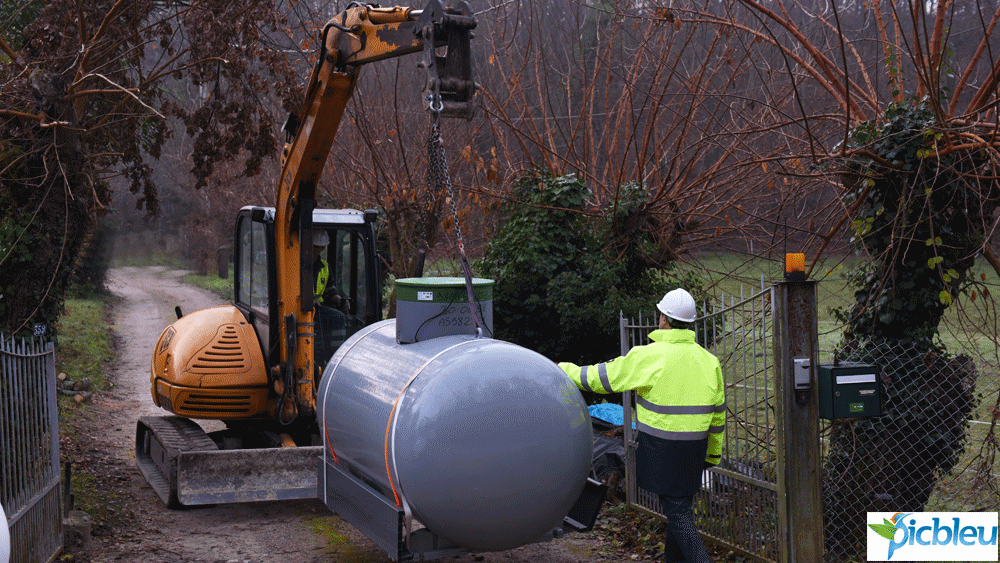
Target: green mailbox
(849, 390)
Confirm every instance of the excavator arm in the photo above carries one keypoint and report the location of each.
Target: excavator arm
(360, 35)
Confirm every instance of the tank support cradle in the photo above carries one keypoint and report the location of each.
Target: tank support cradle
(382, 521)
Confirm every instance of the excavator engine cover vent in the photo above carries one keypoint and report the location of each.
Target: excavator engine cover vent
(431, 307)
(217, 401)
(225, 353)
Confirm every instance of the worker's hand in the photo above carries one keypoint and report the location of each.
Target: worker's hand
(342, 304)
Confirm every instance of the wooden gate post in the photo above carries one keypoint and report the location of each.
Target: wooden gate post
(796, 352)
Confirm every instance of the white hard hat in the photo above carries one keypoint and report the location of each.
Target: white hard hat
(678, 304)
(320, 238)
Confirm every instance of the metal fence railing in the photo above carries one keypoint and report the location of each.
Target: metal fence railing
(29, 450)
(737, 506)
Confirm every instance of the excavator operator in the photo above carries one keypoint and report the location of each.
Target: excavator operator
(334, 323)
(326, 294)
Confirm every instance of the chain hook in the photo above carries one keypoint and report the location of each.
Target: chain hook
(436, 104)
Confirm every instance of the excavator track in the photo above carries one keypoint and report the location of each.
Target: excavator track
(159, 440)
(186, 468)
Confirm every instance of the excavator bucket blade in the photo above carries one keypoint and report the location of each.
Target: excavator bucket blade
(227, 476)
(185, 467)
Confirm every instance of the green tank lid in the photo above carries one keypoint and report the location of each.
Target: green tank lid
(442, 289)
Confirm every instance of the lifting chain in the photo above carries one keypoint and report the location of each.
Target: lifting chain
(439, 181)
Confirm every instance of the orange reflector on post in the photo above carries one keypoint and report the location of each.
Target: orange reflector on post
(795, 267)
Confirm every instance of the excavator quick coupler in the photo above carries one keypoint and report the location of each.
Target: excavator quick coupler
(450, 86)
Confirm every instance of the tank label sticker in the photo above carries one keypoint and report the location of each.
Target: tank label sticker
(425, 296)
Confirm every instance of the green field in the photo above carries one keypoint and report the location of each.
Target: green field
(84, 344)
(970, 326)
(223, 287)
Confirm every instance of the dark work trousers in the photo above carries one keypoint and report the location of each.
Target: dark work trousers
(683, 543)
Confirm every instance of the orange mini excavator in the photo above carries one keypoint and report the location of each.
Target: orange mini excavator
(255, 364)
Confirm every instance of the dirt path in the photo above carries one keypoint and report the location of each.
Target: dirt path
(137, 527)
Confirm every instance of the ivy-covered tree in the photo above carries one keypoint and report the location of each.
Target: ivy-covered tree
(892, 106)
(921, 217)
(564, 270)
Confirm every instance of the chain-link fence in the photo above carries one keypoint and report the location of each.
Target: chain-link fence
(933, 448)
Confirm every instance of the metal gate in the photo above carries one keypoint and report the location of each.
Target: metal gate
(737, 506)
(29, 450)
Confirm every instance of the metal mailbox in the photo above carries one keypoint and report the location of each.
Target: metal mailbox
(849, 390)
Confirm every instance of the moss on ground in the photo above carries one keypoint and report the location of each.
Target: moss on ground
(338, 543)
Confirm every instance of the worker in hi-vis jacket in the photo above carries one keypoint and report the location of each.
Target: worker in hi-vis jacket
(681, 416)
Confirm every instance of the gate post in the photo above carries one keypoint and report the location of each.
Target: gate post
(796, 352)
(630, 438)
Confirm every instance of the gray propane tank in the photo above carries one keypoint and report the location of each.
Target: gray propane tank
(487, 443)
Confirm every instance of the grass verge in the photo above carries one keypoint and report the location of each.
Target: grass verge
(84, 345)
(223, 287)
(84, 349)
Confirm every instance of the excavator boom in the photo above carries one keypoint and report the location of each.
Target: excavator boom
(358, 36)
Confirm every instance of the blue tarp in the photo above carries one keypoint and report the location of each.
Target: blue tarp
(609, 412)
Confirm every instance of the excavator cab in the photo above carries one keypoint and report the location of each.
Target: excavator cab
(352, 297)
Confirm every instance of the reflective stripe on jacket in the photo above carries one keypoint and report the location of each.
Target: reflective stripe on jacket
(679, 387)
(322, 278)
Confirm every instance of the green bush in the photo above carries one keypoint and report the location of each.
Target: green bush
(562, 272)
